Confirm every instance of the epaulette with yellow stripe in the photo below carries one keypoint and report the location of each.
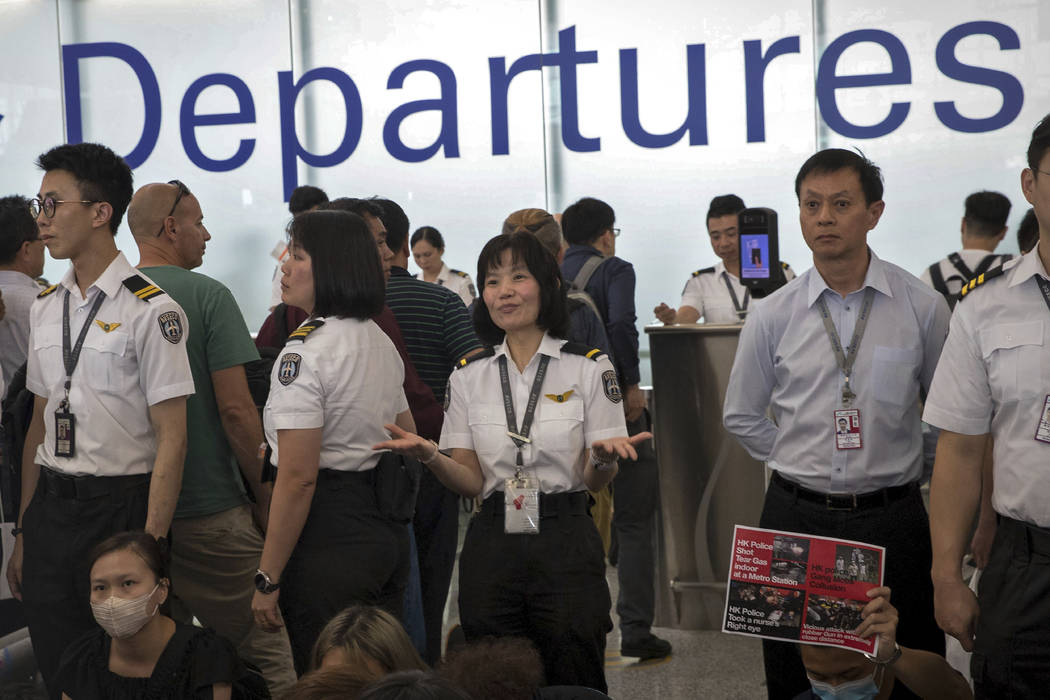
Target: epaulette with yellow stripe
(142, 288)
(464, 361)
(703, 271)
(303, 331)
(47, 291)
(457, 272)
(584, 350)
(979, 280)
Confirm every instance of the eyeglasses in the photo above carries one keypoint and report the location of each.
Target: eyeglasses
(616, 232)
(47, 205)
(183, 190)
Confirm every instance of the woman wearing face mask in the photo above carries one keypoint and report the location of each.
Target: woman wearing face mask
(138, 652)
(835, 672)
(531, 424)
(428, 247)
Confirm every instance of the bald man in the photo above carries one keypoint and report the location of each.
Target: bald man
(216, 540)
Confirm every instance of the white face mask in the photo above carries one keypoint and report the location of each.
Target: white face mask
(123, 617)
(861, 689)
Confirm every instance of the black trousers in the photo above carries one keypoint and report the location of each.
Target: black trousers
(64, 520)
(1012, 657)
(347, 553)
(436, 525)
(635, 498)
(902, 527)
(549, 588)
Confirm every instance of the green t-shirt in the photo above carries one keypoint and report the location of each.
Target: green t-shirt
(218, 339)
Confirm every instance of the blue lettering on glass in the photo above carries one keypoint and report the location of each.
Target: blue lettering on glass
(189, 120)
(291, 149)
(828, 82)
(755, 64)
(696, 117)
(71, 55)
(449, 136)
(1008, 85)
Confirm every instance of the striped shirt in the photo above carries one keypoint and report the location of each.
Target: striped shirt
(435, 324)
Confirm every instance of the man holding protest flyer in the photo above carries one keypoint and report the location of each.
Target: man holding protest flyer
(853, 338)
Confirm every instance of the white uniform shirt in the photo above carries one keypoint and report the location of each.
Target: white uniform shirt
(137, 363)
(19, 292)
(785, 361)
(458, 281)
(994, 376)
(475, 418)
(706, 291)
(346, 377)
(953, 279)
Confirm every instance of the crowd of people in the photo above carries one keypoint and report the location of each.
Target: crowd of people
(154, 491)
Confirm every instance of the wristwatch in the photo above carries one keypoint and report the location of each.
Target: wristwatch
(890, 661)
(263, 584)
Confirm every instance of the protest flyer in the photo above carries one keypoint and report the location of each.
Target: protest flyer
(800, 588)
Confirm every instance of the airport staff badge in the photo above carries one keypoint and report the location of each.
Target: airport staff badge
(560, 398)
(289, 368)
(170, 326)
(1042, 433)
(107, 327)
(611, 386)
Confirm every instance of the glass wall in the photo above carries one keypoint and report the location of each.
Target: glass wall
(464, 111)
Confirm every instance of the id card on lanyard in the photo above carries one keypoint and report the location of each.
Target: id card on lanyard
(741, 309)
(1042, 431)
(521, 493)
(65, 419)
(846, 420)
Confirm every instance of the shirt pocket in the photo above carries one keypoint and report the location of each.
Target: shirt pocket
(488, 429)
(47, 346)
(102, 362)
(560, 426)
(893, 375)
(1013, 354)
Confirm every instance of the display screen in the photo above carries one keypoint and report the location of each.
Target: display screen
(754, 258)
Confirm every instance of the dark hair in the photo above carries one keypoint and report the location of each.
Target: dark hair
(413, 685)
(496, 668)
(141, 543)
(1028, 231)
(724, 205)
(370, 632)
(100, 173)
(354, 206)
(986, 213)
(16, 226)
(834, 159)
(429, 234)
(395, 221)
(348, 278)
(1039, 144)
(333, 683)
(585, 221)
(554, 315)
(306, 197)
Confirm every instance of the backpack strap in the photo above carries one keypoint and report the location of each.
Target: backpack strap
(987, 262)
(587, 271)
(938, 279)
(957, 261)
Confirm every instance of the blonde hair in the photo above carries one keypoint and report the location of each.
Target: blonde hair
(368, 633)
(539, 223)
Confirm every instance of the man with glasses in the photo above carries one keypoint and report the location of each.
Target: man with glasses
(21, 262)
(215, 546)
(108, 366)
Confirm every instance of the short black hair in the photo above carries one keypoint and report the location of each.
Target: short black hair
(413, 685)
(395, 221)
(429, 234)
(306, 197)
(554, 313)
(100, 173)
(1028, 231)
(586, 220)
(725, 205)
(986, 213)
(1039, 144)
(834, 159)
(141, 543)
(354, 205)
(16, 226)
(348, 277)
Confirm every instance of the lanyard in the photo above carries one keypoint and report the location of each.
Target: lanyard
(741, 310)
(1044, 287)
(845, 361)
(521, 437)
(70, 357)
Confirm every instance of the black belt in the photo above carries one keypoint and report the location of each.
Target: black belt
(846, 501)
(1035, 538)
(551, 504)
(86, 488)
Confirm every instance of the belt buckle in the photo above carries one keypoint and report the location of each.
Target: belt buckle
(829, 502)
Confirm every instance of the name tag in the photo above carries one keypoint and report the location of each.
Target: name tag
(1042, 432)
(847, 429)
(65, 434)
(521, 507)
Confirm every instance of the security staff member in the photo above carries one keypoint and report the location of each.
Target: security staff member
(993, 381)
(853, 338)
(716, 293)
(336, 385)
(518, 422)
(108, 366)
(428, 247)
